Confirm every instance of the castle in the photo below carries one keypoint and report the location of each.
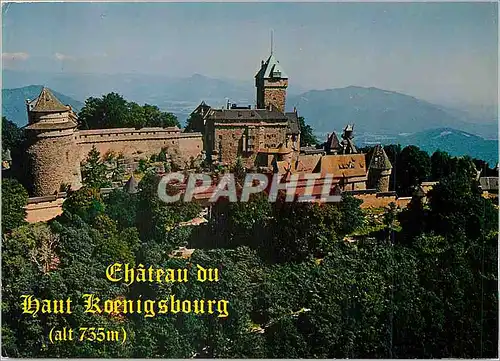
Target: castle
(266, 137)
(258, 135)
(57, 148)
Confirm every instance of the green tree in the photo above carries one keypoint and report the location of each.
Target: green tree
(156, 219)
(113, 111)
(14, 201)
(156, 118)
(307, 136)
(457, 208)
(442, 165)
(122, 207)
(94, 171)
(110, 111)
(12, 135)
(240, 223)
(412, 167)
(86, 203)
(352, 216)
(301, 230)
(239, 170)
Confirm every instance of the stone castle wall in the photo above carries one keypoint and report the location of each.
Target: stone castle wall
(140, 143)
(229, 139)
(378, 200)
(44, 211)
(55, 156)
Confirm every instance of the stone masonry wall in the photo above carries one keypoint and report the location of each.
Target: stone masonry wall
(229, 138)
(55, 156)
(383, 182)
(275, 93)
(142, 143)
(54, 161)
(44, 211)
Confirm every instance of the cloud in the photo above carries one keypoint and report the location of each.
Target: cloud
(12, 60)
(63, 57)
(14, 57)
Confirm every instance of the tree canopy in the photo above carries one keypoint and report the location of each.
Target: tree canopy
(113, 111)
(302, 280)
(307, 137)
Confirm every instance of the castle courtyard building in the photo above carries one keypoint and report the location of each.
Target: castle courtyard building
(258, 135)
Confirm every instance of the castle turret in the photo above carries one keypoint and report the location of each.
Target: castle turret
(53, 155)
(271, 82)
(379, 171)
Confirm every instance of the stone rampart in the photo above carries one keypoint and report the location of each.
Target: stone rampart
(43, 209)
(140, 143)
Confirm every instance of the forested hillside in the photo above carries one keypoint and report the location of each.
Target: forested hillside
(418, 283)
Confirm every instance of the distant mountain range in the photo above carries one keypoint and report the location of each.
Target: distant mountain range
(377, 114)
(453, 141)
(14, 102)
(381, 112)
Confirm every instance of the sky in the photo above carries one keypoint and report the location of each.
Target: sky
(446, 52)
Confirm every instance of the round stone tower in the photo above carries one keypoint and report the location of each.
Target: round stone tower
(379, 171)
(52, 153)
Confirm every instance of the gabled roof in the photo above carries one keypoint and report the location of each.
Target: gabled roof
(380, 160)
(202, 109)
(47, 102)
(269, 67)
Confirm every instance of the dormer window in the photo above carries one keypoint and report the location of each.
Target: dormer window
(277, 74)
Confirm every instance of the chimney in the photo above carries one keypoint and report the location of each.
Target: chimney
(227, 105)
(295, 110)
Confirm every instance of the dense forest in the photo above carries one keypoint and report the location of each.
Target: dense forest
(303, 280)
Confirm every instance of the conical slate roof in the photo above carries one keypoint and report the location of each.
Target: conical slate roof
(47, 102)
(131, 186)
(271, 68)
(380, 160)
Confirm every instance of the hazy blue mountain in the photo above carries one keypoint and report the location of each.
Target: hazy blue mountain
(14, 102)
(455, 142)
(381, 112)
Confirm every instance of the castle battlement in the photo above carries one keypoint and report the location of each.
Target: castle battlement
(131, 134)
